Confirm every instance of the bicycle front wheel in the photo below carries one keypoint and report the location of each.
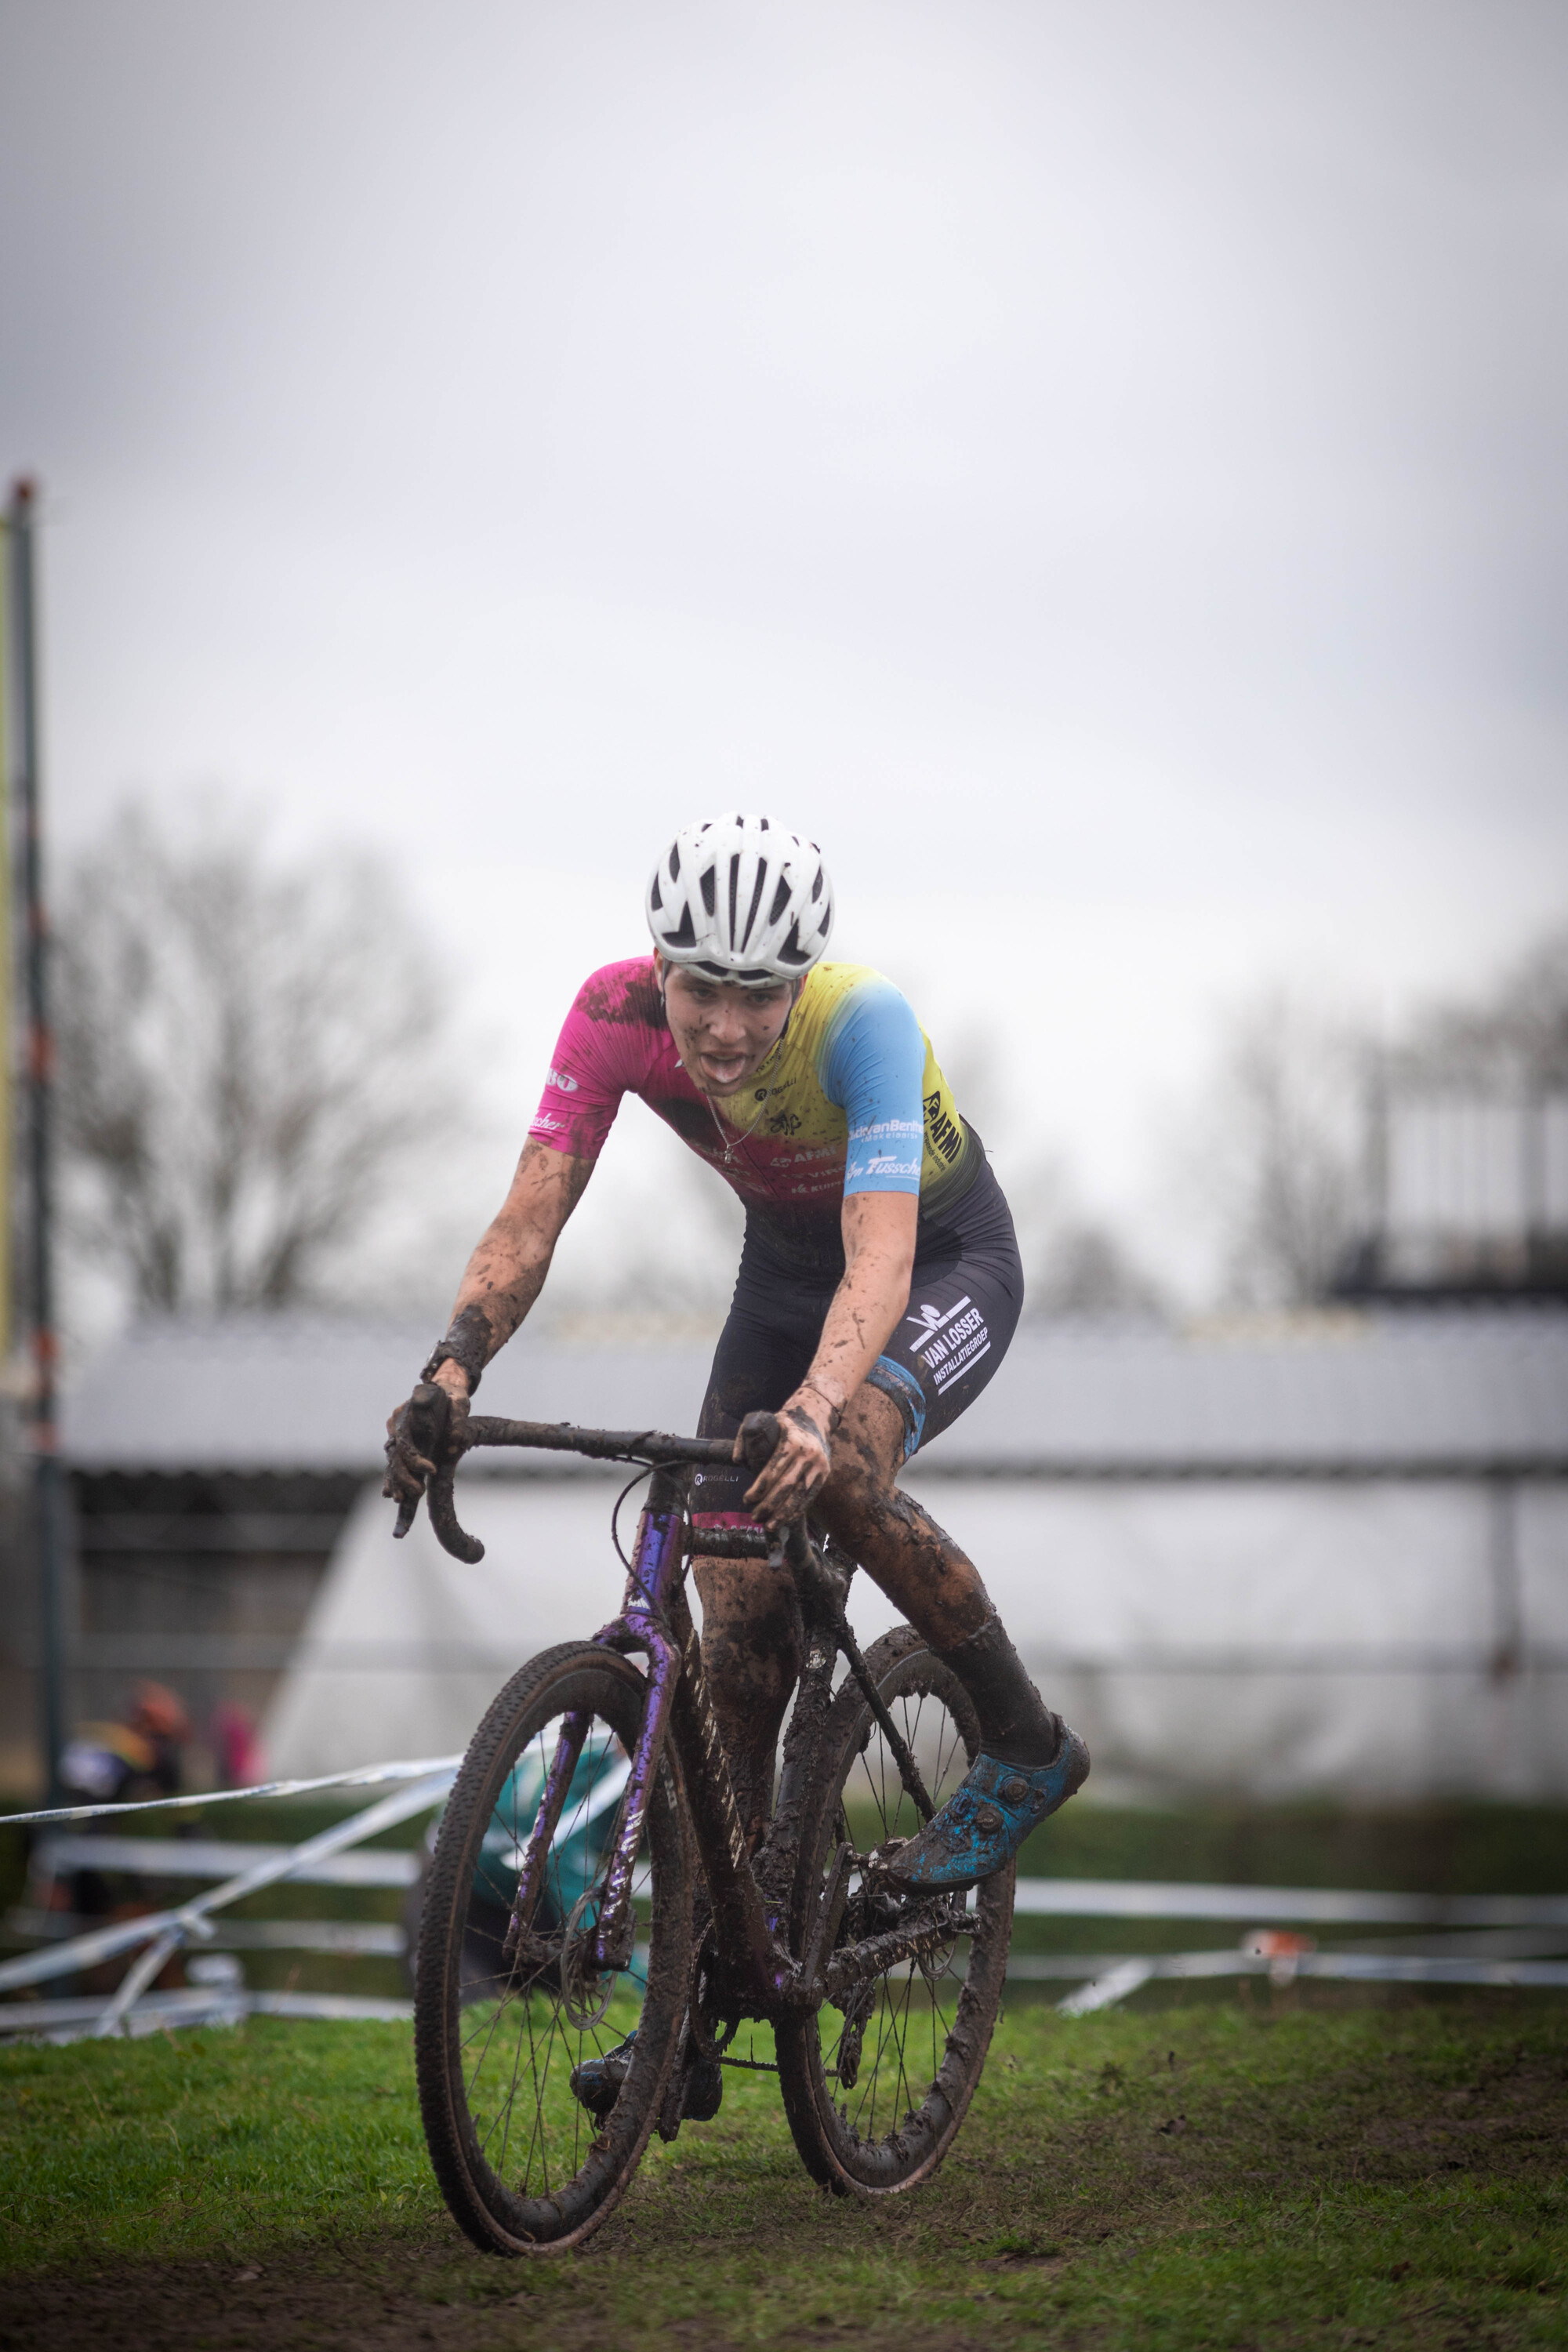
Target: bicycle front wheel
(521, 2161)
(875, 2090)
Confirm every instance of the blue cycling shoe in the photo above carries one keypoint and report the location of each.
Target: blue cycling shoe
(984, 1824)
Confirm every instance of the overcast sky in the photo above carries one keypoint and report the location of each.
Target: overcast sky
(1100, 470)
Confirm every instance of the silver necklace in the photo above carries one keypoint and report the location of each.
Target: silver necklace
(731, 1148)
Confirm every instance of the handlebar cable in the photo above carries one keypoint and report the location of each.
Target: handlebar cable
(635, 1480)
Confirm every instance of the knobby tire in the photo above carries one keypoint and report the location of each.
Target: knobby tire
(912, 2042)
(522, 2166)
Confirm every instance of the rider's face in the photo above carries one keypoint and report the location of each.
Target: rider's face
(722, 1033)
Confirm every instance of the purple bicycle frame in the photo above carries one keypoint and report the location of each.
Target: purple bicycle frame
(655, 1618)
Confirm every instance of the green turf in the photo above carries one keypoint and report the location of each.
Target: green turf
(1315, 2175)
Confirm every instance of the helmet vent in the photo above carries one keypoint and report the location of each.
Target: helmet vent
(674, 862)
(655, 901)
(734, 893)
(781, 899)
(705, 883)
(756, 900)
(685, 933)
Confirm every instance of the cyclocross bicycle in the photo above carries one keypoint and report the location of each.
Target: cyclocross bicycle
(591, 1875)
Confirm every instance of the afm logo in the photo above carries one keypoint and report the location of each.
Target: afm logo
(940, 1132)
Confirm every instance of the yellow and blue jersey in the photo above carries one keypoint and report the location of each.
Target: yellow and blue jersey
(851, 1098)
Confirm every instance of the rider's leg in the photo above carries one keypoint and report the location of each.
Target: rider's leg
(926, 1575)
(752, 1645)
(1029, 1762)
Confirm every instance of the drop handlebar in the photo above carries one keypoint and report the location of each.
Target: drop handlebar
(428, 1425)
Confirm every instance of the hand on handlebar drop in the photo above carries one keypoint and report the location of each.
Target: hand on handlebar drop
(422, 1436)
(799, 1464)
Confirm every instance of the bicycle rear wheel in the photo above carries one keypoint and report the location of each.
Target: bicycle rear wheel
(876, 2091)
(522, 2165)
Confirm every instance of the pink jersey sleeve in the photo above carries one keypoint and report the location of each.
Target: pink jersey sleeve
(605, 1049)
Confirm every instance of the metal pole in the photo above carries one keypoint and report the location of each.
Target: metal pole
(48, 1492)
(8, 983)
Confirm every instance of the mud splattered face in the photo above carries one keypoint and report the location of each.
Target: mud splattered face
(722, 1033)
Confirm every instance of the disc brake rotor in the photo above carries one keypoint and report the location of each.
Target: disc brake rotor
(587, 1990)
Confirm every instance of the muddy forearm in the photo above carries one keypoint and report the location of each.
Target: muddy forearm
(507, 1270)
(865, 1307)
(880, 1248)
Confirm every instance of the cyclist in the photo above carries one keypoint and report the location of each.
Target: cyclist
(880, 1285)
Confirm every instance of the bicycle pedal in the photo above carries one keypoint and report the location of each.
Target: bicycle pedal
(695, 2095)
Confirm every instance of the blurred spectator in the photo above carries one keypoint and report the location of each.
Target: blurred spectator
(118, 1763)
(231, 1734)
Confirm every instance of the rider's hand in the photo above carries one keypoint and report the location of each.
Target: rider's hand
(407, 1468)
(800, 1462)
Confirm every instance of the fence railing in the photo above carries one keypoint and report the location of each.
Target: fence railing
(1470, 1939)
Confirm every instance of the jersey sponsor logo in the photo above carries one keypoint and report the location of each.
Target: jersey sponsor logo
(547, 1118)
(930, 1320)
(950, 1342)
(945, 1137)
(902, 1128)
(883, 1169)
(963, 1358)
(559, 1078)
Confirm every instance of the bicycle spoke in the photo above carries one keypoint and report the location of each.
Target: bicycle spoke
(908, 2086)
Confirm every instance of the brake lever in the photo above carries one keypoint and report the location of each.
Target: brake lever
(429, 1425)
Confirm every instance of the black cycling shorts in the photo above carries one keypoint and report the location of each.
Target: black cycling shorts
(966, 1298)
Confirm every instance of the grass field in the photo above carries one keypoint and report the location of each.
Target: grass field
(1210, 2173)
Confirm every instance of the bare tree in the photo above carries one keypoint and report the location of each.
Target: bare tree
(1075, 1263)
(1521, 1025)
(1280, 1152)
(248, 1059)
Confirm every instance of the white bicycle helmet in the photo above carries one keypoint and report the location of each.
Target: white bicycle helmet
(738, 898)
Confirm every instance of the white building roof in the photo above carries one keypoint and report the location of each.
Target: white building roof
(1412, 1392)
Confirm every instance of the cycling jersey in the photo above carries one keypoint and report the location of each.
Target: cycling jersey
(850, 1099)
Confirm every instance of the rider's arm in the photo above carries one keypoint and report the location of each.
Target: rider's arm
(873, 1064)
(507, 1270)
(878, 1259)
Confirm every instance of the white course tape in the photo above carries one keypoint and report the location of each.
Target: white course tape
(190, 1919)
(1257, 1907)
(1362, 1968)
(365, 1776)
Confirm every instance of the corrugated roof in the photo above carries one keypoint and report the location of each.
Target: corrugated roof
(1414, 1390)
(312, 1393)
(1410, 1391)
